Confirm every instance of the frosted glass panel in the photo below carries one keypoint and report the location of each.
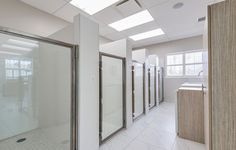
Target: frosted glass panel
(138, 89)
(35, 95)
(152, 86)
(112, 95)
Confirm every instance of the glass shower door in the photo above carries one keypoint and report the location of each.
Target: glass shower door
(152, 86)
(111, 96)
(138, 90)
(35, 94)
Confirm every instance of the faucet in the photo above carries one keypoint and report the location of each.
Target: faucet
(200, 73)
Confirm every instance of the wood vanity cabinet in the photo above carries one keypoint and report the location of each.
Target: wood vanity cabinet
(190, 110)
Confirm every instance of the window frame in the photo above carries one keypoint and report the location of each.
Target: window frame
(183, 64)
(18, 68)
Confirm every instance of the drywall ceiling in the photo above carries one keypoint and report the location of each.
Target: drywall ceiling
(176, 23)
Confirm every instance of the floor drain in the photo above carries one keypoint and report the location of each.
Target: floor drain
(21, 140)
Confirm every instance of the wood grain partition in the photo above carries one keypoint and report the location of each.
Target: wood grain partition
(222, 74)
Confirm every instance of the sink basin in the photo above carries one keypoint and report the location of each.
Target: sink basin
(193, 85)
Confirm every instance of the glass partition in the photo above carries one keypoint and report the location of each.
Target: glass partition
(138, 89)
(35, 95)
(112, 95)
(152, 86)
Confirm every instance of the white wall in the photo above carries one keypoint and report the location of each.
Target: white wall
(161, 50)
(139, 55)
(117, 48)
(103, 40)
(17, 15)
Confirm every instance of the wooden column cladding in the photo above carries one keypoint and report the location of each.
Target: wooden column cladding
(222, 74)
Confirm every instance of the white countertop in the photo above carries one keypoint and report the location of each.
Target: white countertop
(191, 84)
(191, 88)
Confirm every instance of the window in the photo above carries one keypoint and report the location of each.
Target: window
(17, 68)
(184, 64)
(175, 65)
(193, 63)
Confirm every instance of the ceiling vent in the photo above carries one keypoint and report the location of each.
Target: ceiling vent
(201, 19)
(129, 7)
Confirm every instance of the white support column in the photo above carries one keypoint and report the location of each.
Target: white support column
(88, 41)
(129, 114)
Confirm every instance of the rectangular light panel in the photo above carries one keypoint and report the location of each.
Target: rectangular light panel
(132, 21)
(149, 34)
(23, 43)
(92, 6)
(9, 53)
(13, 47)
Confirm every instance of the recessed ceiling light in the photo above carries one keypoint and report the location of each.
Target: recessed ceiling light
(92, 6)
(16, 47)
(149, 34)
(178, 5)
(23, 43)
(132, 21)
(9, 53)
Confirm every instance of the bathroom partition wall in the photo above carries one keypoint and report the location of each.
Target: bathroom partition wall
(37, 93)
(152, 86)
(220, 93)
(112, 95)
(138, 89)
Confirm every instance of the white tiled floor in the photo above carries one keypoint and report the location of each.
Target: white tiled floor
(54, 138)
(155, 131)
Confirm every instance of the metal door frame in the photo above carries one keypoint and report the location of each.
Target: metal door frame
(101, 54)
(133, 88)
(161, 85)
(149, 88)
(74, 49)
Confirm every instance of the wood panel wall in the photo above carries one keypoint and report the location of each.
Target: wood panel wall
(222, 74)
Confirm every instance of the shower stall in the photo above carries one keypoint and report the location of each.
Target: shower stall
(112, 95)
(160, 82)
(152, 86)
(38, 90)
(138, 89)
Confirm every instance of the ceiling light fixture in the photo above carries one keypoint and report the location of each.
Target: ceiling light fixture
(92, 6)
(16, 47)
(10, 53)
(149, 34)
(24, 43)
(178, 5)
(132, 21)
